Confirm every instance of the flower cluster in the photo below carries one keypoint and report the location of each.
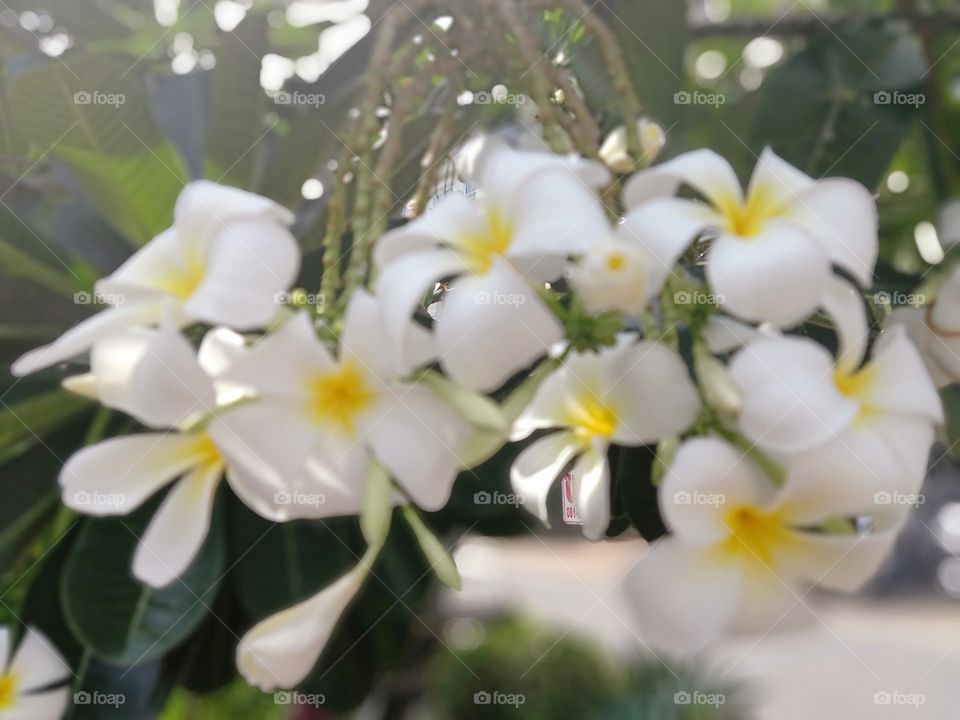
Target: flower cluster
(775, 448)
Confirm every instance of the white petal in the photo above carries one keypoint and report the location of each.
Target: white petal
(270, 438)
(152, 375)
(941, 355)
(790, 401)
(284, 362)
(777, 277)
(203, 207)
(51, 705)
(179, 527)
(491, 327)
(842, 215)
(418, 439)
(282, 650)
(441, 225)
(402, 285)
(591, 489)
(616, 274)
(149, 271)
(945, 314)
(650, 390)
(4, 649)
(250, 262)
(899, 382)
(82, 336)
(37, 663)
(707, 478)
(844, 562)
(682, 602)
(220, 350)
(724, 334)
(115, 476)
(665, 228)
(703, 170)
(536, 469)
(362, 338)
(844, 304)
(779, 181)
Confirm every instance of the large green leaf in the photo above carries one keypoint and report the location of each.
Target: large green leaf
(120, 619)
(92, 114)
(840, 107)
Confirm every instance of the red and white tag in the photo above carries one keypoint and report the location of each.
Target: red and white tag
(571, 516)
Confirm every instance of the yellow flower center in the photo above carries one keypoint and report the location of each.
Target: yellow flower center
(479, 249)
(857, 386)
(748, 219)
(755, 535)
(183, 282)
(8, 690)
(340, 396)
(590, 416)
(203, 450)
(616, 261)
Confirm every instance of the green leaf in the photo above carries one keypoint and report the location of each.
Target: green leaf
(120, 619)
(93, 115)
(433, 550)
(824, 109)
(23, 424)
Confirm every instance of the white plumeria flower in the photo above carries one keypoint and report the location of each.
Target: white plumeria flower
(227, 256)
(742, 553)
(770, 259)
(877, 417)
(318, 421)
(633, 394)
(280, 651)
(936, 331)
(154, 376)
(26, 679)
(626, 269)
(531, 212)
(615, 152)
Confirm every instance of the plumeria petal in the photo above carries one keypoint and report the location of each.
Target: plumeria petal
(50, 705)
(898, 379)
(703, 170)
(364, 328)
(790, 401)
(177, 531)
(117, 475)
(778, 181)
(500, 306)
(203, 207)
(82, 336)
(37, 663)
(537, 468)
(281, 650)
(591, 490)
(844, 304)
(778, 276)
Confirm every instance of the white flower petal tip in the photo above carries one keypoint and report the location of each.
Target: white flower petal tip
(614, 150)
(32, 681)
(281, 651)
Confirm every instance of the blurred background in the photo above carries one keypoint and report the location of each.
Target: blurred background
(107, 107)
